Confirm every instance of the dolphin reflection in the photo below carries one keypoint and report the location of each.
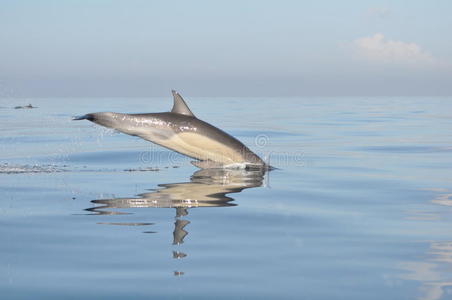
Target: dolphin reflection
(206, 188)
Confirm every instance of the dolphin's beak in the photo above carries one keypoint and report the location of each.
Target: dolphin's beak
(88, 117)
(106, 119)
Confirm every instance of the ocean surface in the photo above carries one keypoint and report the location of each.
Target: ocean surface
(360, 206)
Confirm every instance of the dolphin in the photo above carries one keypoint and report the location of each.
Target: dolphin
(181, 131)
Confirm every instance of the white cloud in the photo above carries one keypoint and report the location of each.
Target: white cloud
(378, 49)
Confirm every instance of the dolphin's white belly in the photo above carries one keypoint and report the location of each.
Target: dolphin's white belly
(202, 148)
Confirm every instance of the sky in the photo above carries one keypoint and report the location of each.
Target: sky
(67, 48)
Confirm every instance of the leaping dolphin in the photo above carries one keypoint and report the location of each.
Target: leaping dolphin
(180, 131)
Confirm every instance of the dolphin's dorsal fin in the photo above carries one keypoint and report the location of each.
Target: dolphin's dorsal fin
(180, 107)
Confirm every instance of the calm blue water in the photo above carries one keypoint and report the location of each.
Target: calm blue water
(361, 207)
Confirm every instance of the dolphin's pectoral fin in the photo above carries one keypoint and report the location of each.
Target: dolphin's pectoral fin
(180, 107)
(207, 164)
